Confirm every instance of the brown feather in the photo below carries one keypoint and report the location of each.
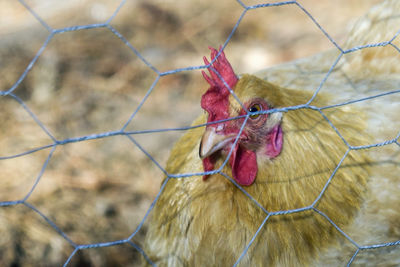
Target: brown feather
(209, 223)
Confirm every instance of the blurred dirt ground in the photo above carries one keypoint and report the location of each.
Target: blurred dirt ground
(88, 82)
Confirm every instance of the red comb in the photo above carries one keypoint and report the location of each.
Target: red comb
(223, 67)
(216, 100)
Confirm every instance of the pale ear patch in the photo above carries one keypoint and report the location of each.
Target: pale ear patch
(273, 120)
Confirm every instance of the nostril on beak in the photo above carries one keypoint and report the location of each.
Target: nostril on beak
(201, 141)
(212, 142)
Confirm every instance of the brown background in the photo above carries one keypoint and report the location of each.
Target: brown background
(89, 82)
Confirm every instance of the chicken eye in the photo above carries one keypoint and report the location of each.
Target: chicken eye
(255, 108)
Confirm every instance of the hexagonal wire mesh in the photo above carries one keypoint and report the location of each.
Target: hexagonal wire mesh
(55, 125)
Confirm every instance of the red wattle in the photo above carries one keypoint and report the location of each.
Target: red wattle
(208, 165)
(244, 165)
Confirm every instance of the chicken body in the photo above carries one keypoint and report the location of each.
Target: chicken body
(209, 222)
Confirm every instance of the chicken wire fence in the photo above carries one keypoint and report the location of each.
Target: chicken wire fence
(52, 32)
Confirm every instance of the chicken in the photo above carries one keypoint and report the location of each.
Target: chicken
(287, 183)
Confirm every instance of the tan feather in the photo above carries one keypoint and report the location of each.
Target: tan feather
(210, 223)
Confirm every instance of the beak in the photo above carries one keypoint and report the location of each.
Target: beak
(211, 142)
